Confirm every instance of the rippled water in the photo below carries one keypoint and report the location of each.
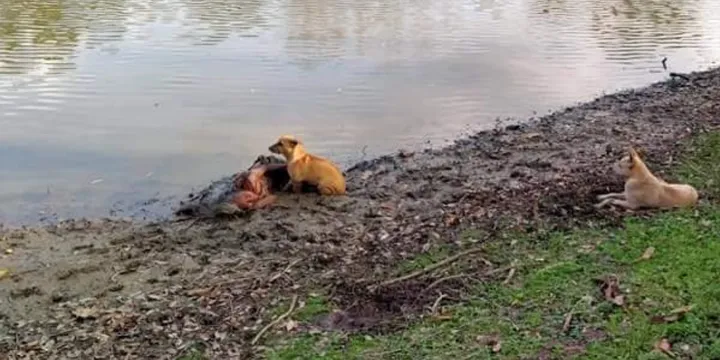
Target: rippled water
(107, 102)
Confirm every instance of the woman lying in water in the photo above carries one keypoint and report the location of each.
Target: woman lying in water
(254, 187)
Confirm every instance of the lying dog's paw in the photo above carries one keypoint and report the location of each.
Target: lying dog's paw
(602, 197)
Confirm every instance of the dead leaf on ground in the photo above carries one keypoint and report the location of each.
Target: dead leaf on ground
(451, 221)
(85, 313)
(673, 316)
(664, 347)
(291, 325)
(200, 292)
(531, 136)
(649, 252)
(4, 273)
(492, 341)
(610, 287)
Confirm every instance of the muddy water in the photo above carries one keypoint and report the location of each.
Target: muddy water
(107, 103)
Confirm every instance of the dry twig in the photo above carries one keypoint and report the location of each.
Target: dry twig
(568, 320)
(509, 276)
(285, 271)
(443, 279)
(427, 269)
(276, 321)
(433, 309)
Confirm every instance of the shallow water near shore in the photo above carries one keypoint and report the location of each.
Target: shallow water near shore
(105, 104)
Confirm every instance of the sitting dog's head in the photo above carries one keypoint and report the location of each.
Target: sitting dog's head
(627, 164)
(285, 146)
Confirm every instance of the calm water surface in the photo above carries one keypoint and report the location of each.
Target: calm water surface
(104, 103)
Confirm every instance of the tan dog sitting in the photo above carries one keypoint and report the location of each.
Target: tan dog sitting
(645, 190)
(307, 168)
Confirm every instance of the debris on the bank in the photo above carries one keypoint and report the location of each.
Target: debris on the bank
(4, 273)
(8, 251)
(610, 287)
(672, 316)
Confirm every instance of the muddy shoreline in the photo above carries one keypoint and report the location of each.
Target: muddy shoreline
(118, 289)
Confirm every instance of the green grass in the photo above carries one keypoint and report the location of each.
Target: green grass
(556, 276)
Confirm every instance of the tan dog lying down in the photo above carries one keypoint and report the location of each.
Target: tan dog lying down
(645, 190)
(310, 169)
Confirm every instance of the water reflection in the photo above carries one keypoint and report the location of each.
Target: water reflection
(40, 37)
(189, 90)
(210, 22)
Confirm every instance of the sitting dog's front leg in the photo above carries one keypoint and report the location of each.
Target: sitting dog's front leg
(297, 186)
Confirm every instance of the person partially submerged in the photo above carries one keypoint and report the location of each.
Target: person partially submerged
(247, 190)
(254, 188)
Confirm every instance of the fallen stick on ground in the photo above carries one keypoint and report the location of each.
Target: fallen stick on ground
(284, 271)
(441, 280)
(426, 269)
(509, 276)
(276, 321)
(568, 321)
(434, 308)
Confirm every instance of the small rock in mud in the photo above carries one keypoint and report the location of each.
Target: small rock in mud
(59, 296)
(26, 292)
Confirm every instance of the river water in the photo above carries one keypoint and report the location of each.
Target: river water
(105, 103)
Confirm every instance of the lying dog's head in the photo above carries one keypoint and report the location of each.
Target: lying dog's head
(285, 146)
(628, 163)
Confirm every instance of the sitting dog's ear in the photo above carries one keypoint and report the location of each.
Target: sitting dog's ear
(291, 142)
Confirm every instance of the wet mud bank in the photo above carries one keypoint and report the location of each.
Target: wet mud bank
(113, 289)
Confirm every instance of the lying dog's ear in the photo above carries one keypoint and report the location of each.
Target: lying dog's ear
(633, 156)
(640, 153)
(632, 153)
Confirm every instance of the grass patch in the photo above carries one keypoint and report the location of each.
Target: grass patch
(556, 276)
(423, 260)
(314, 305)
(701, 165)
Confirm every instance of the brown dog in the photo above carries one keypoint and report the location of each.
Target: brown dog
(307, 168)
(645, 190)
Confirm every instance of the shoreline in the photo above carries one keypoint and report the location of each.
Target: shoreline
(540, 174)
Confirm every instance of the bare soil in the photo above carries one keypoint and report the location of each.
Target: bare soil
(120, 289)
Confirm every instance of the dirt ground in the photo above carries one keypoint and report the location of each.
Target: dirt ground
(116, 289)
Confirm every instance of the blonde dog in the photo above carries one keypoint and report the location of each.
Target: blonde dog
(307, 168)
(645, 190)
